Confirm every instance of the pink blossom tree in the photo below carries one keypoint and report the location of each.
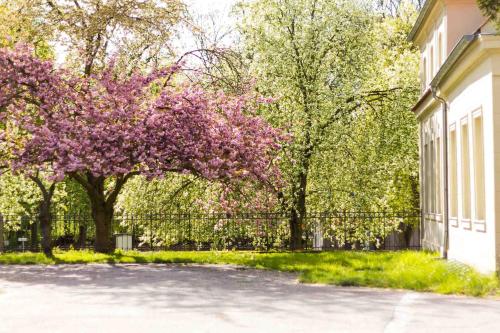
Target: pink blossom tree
(104, 129)
(29, 86)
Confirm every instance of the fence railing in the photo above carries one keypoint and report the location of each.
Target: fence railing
(194, 231)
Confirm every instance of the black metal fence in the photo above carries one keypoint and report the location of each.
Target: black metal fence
(255, 231)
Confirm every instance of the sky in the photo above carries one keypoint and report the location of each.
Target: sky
(206, 6)
(199, 9)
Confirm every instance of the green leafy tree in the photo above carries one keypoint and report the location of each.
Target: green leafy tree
(135, 32)
(319, 58)
(19, 23)
(491, 8)
(174, 194)
(377, 153)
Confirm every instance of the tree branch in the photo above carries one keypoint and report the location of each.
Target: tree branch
(112, 195)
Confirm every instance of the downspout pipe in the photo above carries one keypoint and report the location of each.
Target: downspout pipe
(446, 237)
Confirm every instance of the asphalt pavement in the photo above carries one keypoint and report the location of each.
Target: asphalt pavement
(193, 298)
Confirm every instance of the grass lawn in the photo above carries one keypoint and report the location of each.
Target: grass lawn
(413, 270)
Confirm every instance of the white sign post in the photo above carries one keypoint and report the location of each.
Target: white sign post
(22, 240)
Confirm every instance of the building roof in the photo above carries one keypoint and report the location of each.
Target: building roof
(449, 63)
(458, 53)
(421, 100)
(453, 58)
(424, 12)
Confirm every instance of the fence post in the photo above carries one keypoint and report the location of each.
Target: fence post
(133, 229)
(34, 234)
(1, 234)
(151, 232)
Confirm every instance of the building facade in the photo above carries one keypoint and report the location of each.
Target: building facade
(459, 117)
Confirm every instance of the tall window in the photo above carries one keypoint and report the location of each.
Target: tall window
(431, 64)
(440, 49)
(427, 178)
(478, 146)
(438, 176)
(432, 173)
(465, 171)
(453, 174)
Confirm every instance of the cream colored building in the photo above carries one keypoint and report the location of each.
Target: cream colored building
(459, 116)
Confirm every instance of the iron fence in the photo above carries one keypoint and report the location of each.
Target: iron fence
(243, 231)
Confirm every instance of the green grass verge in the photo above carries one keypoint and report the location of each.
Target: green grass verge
(413, 270)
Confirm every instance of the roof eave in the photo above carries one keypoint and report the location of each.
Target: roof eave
(420, 19)
(450, 62)
(452, 59)
(421, 100)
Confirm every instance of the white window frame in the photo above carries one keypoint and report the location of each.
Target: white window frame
(479, 222)
(466, 196)
(453, 175)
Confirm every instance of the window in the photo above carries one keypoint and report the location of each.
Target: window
(431, 64)
(438, 176)
(427, 197)
(432, 172)
(465, 171)
(440, 49)
(453, 174)
(478, 149)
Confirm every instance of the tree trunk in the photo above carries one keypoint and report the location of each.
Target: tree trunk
(102, 203)
(46, 225)
(44, 216)
(103, 216)
(296, 231)
(406, 234)
(82, 237)
(298, 213)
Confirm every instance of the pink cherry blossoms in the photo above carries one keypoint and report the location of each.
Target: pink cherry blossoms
(112, 125)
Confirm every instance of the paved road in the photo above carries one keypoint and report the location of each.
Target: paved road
(178, 298)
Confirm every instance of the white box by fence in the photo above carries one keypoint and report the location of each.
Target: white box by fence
(123, 241)
(317, 237)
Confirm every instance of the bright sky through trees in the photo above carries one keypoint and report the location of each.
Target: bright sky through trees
(199, 9)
